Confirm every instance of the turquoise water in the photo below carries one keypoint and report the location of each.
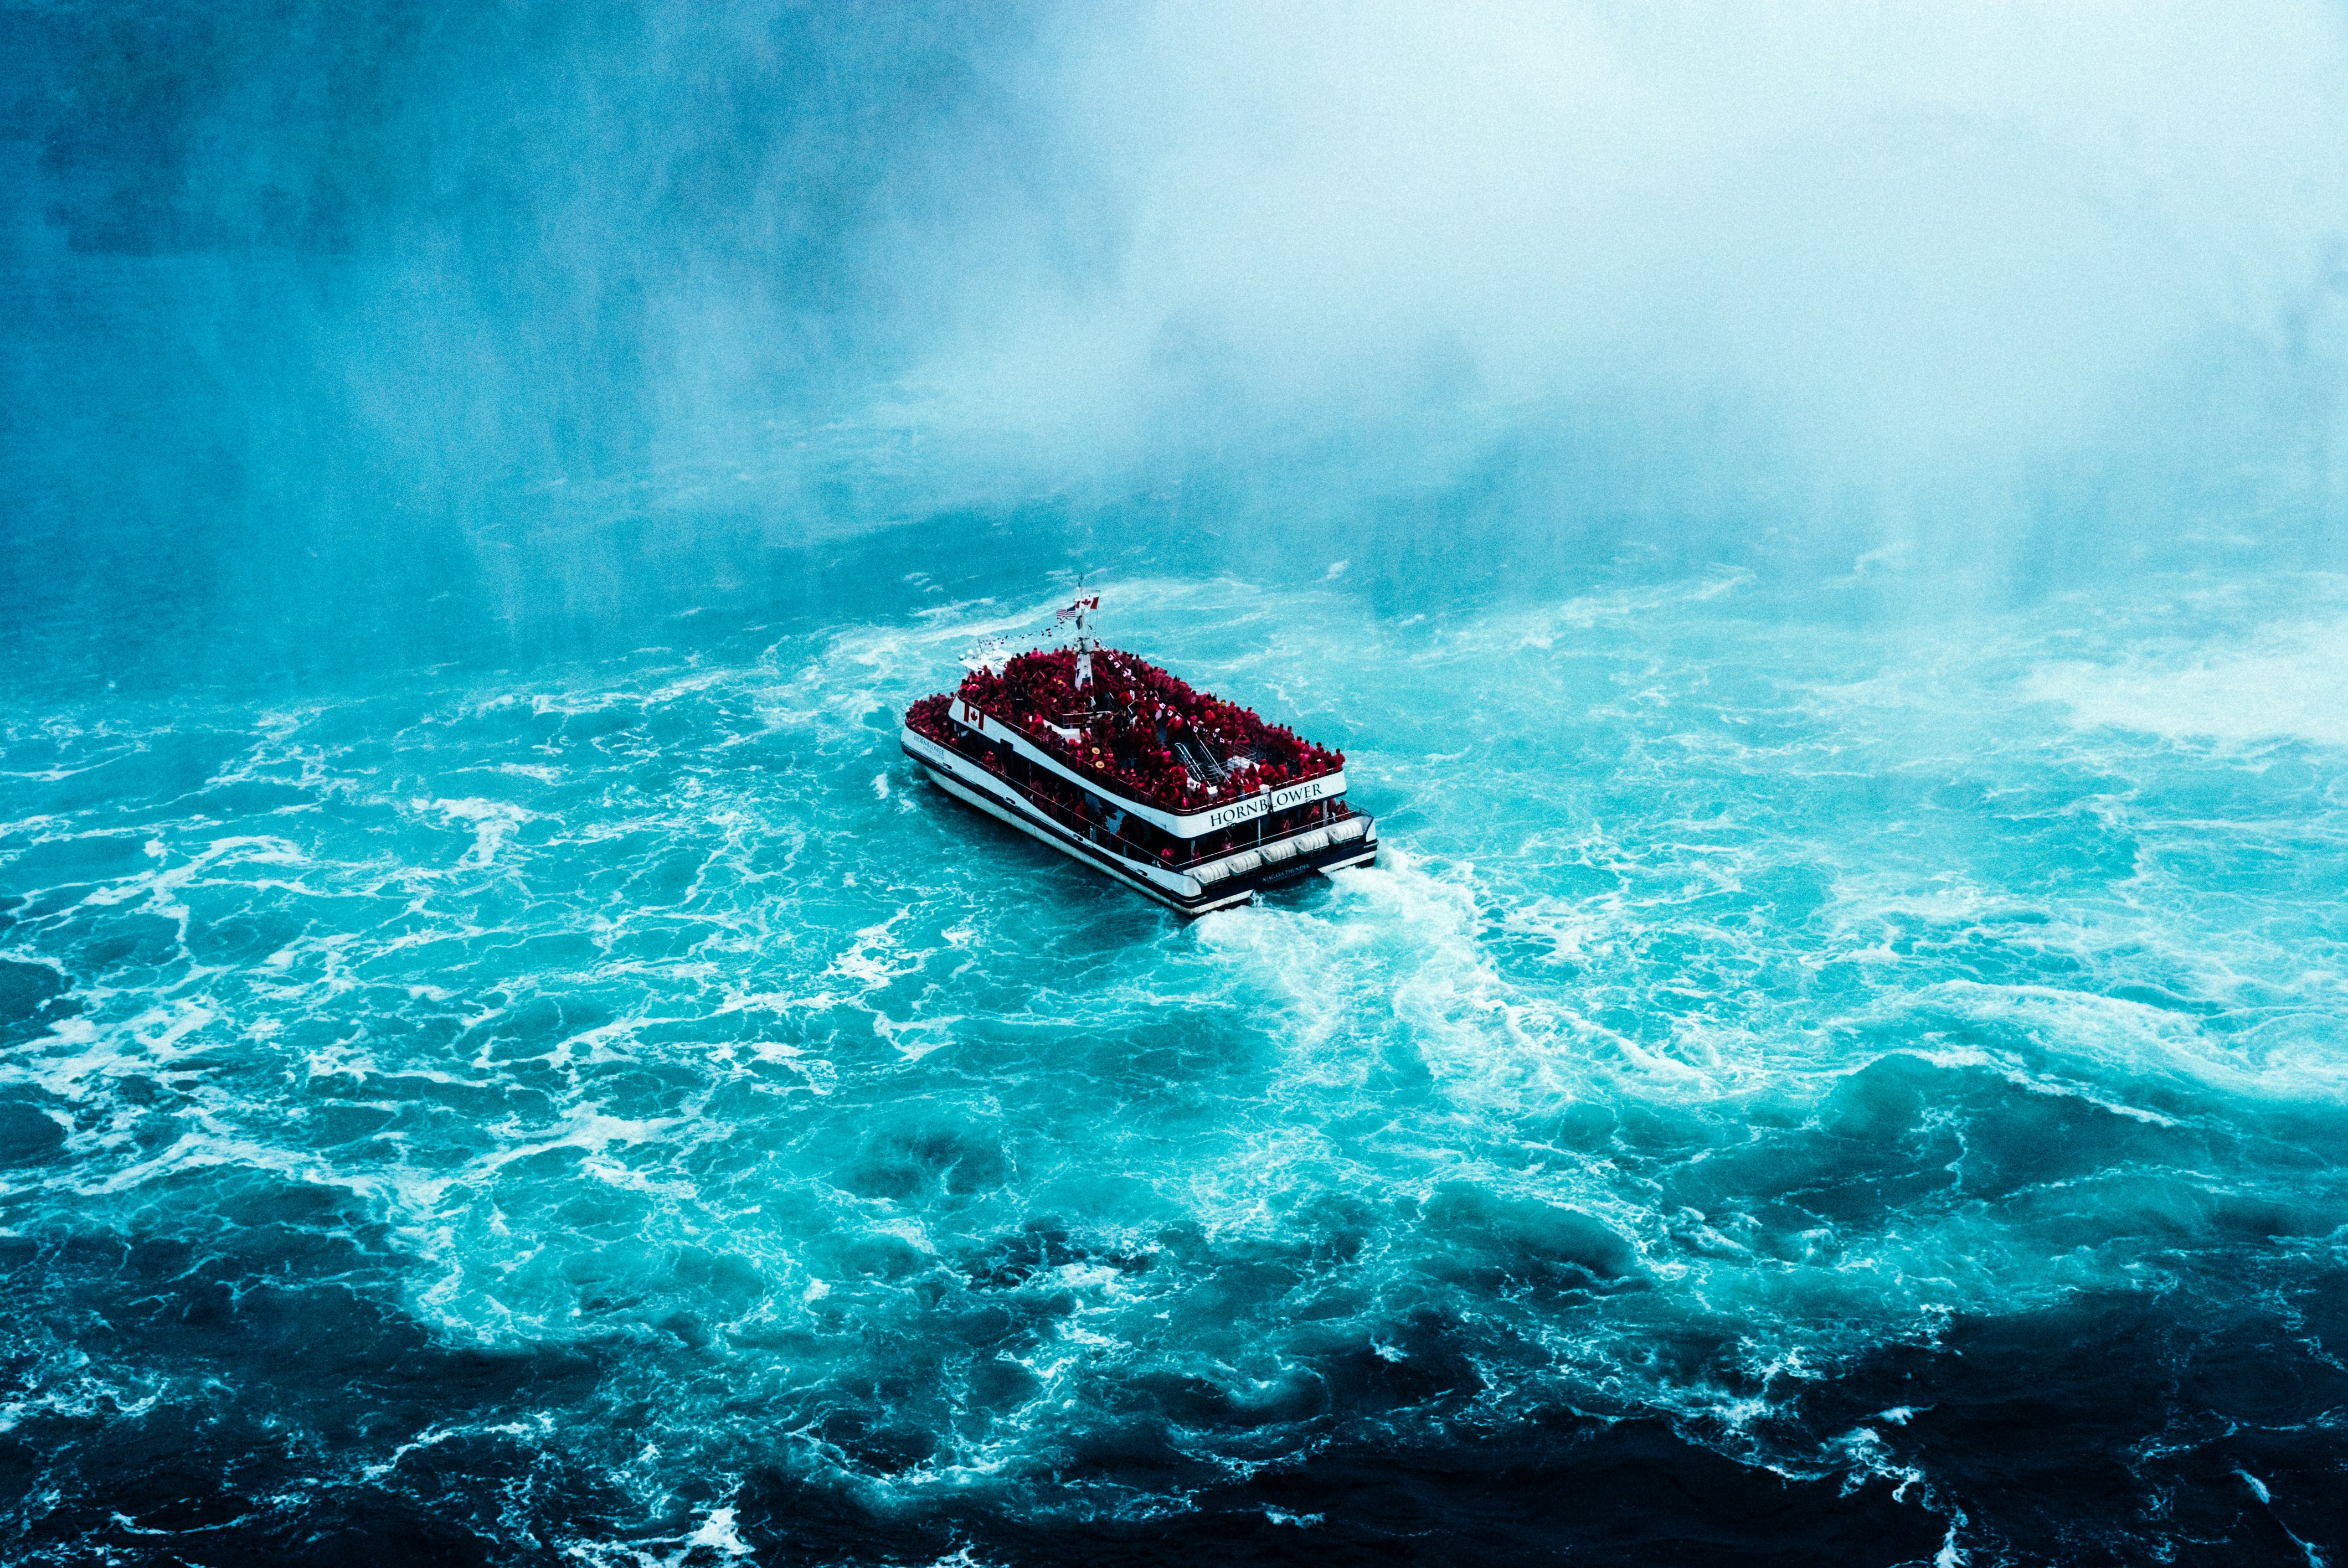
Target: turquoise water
(1794, 1084)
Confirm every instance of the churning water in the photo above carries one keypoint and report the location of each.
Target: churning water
(1789, 1092)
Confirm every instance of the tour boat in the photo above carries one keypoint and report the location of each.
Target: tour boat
(1179, 794)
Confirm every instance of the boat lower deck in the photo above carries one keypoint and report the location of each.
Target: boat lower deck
(1179, 890)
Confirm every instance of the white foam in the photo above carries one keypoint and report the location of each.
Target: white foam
(717, 1532)
(2288, 684)
(2104, 1036)
(493, 823)
(589, 1128)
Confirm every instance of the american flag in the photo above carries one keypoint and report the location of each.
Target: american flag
(1083, 604)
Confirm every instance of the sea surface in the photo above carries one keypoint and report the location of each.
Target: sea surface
(1800, 1085)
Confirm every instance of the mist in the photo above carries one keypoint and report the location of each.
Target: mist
(556, 302)
(1896, 276)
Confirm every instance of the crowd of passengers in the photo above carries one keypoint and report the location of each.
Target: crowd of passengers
(1102, 820)
(1134, 723)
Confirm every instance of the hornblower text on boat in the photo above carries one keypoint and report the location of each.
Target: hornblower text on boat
(1179, 794)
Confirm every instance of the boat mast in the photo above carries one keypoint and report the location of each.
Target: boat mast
(1082, 610)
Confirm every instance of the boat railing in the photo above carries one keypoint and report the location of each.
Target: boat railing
(1333, 819)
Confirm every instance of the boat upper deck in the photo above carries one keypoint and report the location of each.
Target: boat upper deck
(1135, 730)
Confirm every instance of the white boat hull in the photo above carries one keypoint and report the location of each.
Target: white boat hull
(1179, 890)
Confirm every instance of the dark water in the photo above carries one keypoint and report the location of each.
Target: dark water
(501, 1062)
